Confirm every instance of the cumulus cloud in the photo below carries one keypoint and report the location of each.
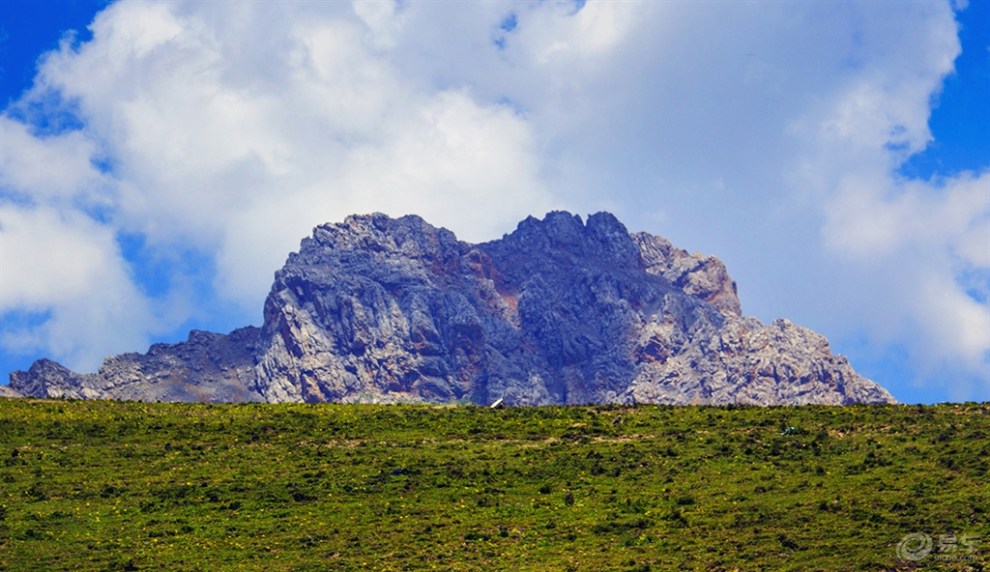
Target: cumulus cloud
(769, 134)
(27, 163)
(935, 235)
(882, 216)
(67, 266)
(237, 151)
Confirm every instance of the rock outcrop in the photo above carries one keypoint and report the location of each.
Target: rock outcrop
(559, 311)
(206, 367)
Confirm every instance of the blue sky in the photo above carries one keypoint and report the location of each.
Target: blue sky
(834, 155)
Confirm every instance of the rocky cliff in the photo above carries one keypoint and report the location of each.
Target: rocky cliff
(559, 311)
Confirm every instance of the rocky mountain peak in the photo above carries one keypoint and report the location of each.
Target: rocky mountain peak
(561, 235)
(704, 277)
(561, 310)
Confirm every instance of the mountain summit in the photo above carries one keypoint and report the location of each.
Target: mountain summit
(560, 311)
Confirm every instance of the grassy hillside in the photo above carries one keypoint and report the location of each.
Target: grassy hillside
(133, 486)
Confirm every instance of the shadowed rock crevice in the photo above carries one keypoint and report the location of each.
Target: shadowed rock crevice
(559, 311)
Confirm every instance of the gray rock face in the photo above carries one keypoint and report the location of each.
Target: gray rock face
(559, 311)
(206, 367)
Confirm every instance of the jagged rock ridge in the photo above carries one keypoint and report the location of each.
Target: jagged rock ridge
(559, 311)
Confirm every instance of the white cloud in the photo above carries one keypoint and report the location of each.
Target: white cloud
(471, 168)
(766, 133)
(239, 155)
(27, 165)
(937, 238)
(383, 20)
(957, 326)
(557, 33)
(883, 215)
(65, 264)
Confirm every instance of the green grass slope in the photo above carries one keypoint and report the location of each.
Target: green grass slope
(135, 486)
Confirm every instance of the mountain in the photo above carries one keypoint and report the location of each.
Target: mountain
(559, 311)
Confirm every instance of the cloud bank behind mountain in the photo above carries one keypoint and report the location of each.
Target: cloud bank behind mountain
(156, 175)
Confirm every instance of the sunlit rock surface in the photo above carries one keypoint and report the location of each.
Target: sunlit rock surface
(560, 311)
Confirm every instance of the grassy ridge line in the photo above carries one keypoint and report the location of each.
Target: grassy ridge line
(96, 485)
